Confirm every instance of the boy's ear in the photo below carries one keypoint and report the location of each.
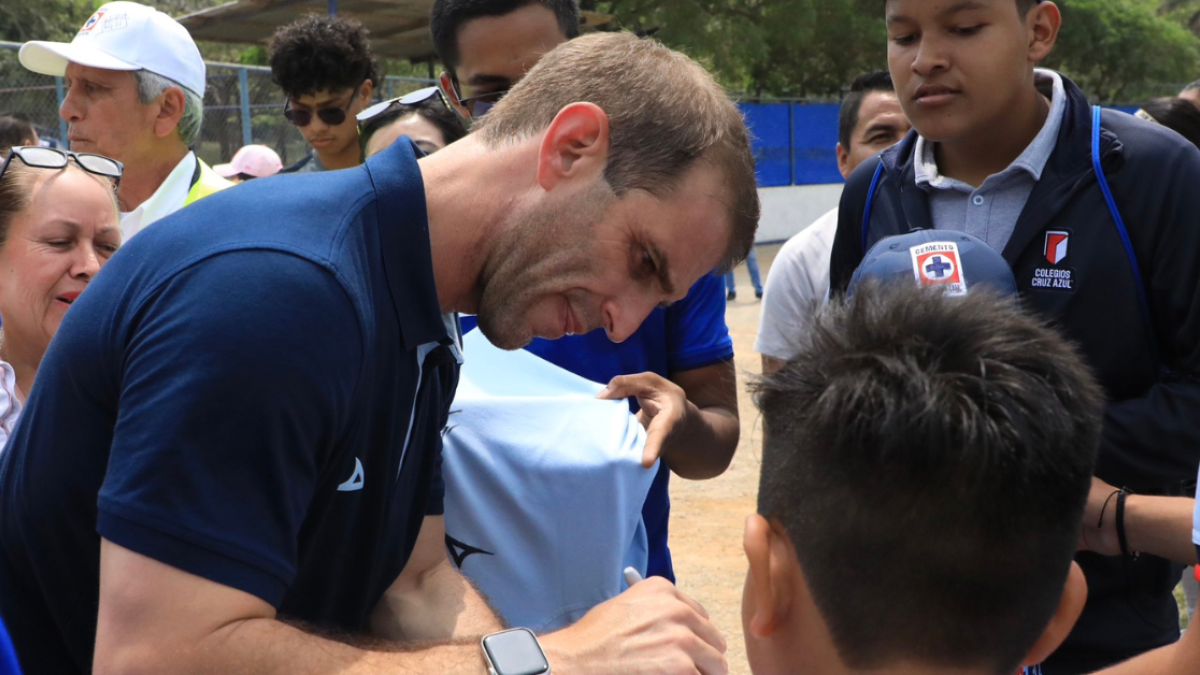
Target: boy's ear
(1043, 22)
(770, 580)
(1070, 606)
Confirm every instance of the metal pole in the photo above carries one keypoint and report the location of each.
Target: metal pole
(244, 87)
(332, 7)
(62, 124)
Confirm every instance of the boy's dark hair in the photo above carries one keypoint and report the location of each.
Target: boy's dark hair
(930, 458)
(1178, 115)
(321, 53)
(448, 16)
(15, 130)
(879, 80)
(431, 109)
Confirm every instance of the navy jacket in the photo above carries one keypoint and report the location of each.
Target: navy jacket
(1151, 439)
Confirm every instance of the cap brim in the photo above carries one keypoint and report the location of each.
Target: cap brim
(51, 58)
(225, 170)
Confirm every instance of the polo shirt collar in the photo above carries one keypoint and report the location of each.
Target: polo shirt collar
(1032, 160)
(403, 223)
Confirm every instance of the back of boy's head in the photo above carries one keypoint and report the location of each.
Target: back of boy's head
(448, 17)
(930, 457)
(321, 53)
(879, 80)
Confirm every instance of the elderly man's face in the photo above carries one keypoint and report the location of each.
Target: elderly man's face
(590, 260)
(105, 115)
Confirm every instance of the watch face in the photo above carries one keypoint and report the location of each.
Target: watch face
(515, 652)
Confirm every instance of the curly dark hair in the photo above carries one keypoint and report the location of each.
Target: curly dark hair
(321, 53)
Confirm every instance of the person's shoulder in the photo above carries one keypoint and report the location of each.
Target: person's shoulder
(1150, 150)
(816, 238)
(300, 166)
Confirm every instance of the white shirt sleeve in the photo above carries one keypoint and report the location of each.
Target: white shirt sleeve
(1196, 518)
(796, 287)
(10, 406)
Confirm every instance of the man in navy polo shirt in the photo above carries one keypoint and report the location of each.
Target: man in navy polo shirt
(231, 460)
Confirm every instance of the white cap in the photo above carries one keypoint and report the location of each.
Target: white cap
(124, 36)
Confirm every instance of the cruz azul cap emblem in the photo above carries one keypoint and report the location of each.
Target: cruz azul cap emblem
(1055, 248)
(91, 23)
(938, 264)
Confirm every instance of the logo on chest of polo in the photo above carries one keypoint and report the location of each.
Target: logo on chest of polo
(1054, 251)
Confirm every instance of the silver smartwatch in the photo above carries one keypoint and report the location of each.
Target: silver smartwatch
(514, 652)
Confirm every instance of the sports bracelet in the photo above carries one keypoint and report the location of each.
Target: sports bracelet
(1122, 495)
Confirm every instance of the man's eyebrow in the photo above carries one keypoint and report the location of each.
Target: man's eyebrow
(879, 126)
(484, 79)
(663, 267)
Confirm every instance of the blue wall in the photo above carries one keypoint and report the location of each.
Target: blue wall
(793, 143)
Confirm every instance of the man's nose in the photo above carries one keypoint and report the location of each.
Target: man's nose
(623, 317)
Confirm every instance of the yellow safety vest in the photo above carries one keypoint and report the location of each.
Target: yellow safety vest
(205, 181)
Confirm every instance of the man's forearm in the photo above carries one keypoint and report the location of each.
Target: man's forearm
(444, 605)
(1181, 658)
(704, 446)
(267, 646)
(1161, 526)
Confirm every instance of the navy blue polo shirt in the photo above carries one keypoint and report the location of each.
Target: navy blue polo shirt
(252, 390)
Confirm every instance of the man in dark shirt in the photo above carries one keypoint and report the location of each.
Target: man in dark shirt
(231, 460)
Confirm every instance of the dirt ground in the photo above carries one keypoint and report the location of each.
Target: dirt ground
(707, 516)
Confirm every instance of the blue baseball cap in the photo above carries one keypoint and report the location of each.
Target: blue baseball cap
(956, 261)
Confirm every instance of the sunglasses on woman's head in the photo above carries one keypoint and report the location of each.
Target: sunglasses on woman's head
(411, 98)
(53, 158)
(331, 116)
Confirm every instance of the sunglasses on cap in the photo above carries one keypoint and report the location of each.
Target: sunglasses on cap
(411, 98)
(478, 106)
(331, 116)
(53, 158)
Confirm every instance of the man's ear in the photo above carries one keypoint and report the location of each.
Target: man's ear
(770, 579)
(447, 84)
(1070, 606)
(575, 145)
(843, 157)
(170, 110)
(365, 92)
(1043, 22)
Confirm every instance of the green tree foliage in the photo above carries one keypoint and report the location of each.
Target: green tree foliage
(1125, 50)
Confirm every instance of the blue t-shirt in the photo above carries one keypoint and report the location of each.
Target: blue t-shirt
(689, 334)
(252, 391)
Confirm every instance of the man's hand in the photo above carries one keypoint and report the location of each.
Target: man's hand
(664, 408)
(691, 419)
(650, 629)
(1099, 532)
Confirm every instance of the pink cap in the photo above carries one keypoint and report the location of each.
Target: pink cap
(254, 160)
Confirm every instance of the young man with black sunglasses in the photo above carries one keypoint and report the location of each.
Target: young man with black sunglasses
(325, 68)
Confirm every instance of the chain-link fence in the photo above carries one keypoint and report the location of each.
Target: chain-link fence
(241, 106)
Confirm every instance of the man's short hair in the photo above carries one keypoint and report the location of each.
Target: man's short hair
(879, 80)
(15, 129)
(151, 85)
(448, 17)
(930, 457)
(665, 112)
(321, 53)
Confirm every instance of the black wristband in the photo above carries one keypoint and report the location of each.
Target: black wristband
(1121, 540)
